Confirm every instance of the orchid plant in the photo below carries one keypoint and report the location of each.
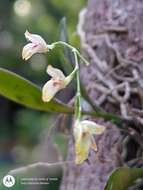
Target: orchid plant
(83, 129)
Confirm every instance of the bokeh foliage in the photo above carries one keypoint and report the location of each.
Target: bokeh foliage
(20, 127)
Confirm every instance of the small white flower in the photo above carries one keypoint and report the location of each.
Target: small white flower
(37, 45)
(56, 83)
(84, 140)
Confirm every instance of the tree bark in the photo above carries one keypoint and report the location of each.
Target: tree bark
(111, 37)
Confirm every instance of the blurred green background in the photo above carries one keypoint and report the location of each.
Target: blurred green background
(21, 129)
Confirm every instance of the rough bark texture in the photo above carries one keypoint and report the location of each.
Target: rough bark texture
(113, 41)
(111, 36)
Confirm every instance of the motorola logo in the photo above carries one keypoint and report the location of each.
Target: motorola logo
(8, 181)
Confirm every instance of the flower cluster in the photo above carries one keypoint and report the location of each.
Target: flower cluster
(83, 130)
(58, 81)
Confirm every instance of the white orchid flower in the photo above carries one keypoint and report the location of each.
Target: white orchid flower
(37, 45)
(84, 140)
(56, 83)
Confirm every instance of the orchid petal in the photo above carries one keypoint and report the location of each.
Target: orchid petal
(55, 73)
(82, 147)
(27, 51)
(92, 127)
(50, 89)
(34, 38)
(93, 144)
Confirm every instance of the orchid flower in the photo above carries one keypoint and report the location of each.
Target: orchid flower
(56, 83)
(84, 140)
(37, 45)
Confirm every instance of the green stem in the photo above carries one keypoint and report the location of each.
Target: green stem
(82, 58)
(70, 77)
(78, 95)
(72, 48)
(78, 112)
(63, 43)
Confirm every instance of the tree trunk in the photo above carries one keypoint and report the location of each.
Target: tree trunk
(111, 37)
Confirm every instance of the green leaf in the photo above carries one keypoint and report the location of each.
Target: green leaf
(64, 37)
(123, 177)
(75, 40)
(24, 92)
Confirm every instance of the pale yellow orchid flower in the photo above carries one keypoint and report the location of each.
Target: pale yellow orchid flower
(84, 140)
(56, 83)
(37, 45)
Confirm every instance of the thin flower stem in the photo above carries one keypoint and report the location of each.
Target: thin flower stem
(78, 95)
(63, 43)
(70, 77)
(82, 58)
(72, 48)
